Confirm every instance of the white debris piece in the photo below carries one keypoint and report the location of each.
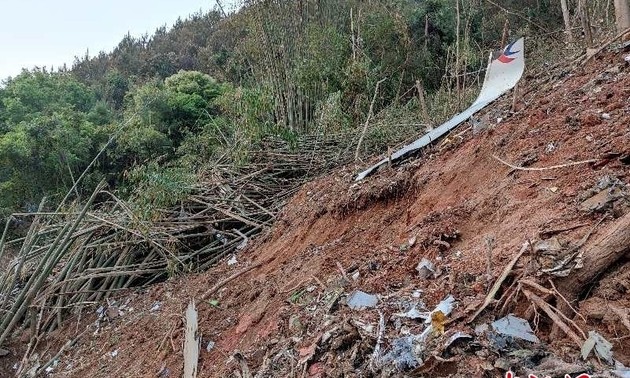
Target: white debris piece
(359, 300)
(515, 327)
(621, 371)
(232, 261)
(156, 306)
(413, 313)
(603, 348)
(425, 269)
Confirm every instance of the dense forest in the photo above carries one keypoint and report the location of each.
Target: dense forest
(158, 110)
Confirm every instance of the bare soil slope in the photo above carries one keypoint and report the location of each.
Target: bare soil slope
(457, 206)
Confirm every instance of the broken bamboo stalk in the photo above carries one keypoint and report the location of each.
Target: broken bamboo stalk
(540, 303)
(497, 285)
(191, 342)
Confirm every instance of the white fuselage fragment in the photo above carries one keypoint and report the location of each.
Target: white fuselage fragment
(502, 75)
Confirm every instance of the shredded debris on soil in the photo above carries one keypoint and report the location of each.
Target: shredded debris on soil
(467, 206)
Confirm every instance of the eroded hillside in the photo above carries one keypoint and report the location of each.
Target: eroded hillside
(282, 310)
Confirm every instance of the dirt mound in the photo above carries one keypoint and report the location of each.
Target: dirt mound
(457, 206)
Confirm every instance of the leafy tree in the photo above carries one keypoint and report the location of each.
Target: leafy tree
(161, 114)
(52, 125)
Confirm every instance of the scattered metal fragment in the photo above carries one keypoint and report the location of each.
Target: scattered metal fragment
(425, 269)
(482, 328)
(405, 353)
(437, 317)
(413, 313)
(232, 261)
(164, 372)
(515, 327)
(500, 77)
(49, 369)
(446, 307)
(359, 300)
(456, 336)
(156, 306)
(621, 371)
(112, 312)
(548, 245)
(603, 348)
(412, 241)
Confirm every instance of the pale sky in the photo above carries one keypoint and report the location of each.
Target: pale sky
(52, 32)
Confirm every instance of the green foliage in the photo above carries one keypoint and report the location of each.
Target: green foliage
(152, 187)
(34, 94)
(115, 88)
(284, 68)
(169, 119)
(326, 53)
(251, 109)
(331, 117)
(52, 125)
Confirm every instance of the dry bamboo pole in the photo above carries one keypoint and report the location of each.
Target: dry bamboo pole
(41, 273)
(585, 19)
(567, 20)
(367, 120)
(457, 51)
(29, 241)
(7, 223)
(424, 113)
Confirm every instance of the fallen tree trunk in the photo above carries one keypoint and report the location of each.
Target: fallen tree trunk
(608, 249)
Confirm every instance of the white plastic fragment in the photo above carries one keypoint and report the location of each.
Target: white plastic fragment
(156, 306)
(413, 313)
(359, 300)
(620, 370)
(446, 306)
(603, 348)
(456, 336)
(515, 327)
(232, 261)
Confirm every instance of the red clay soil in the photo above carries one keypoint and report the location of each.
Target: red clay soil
(456, 205)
